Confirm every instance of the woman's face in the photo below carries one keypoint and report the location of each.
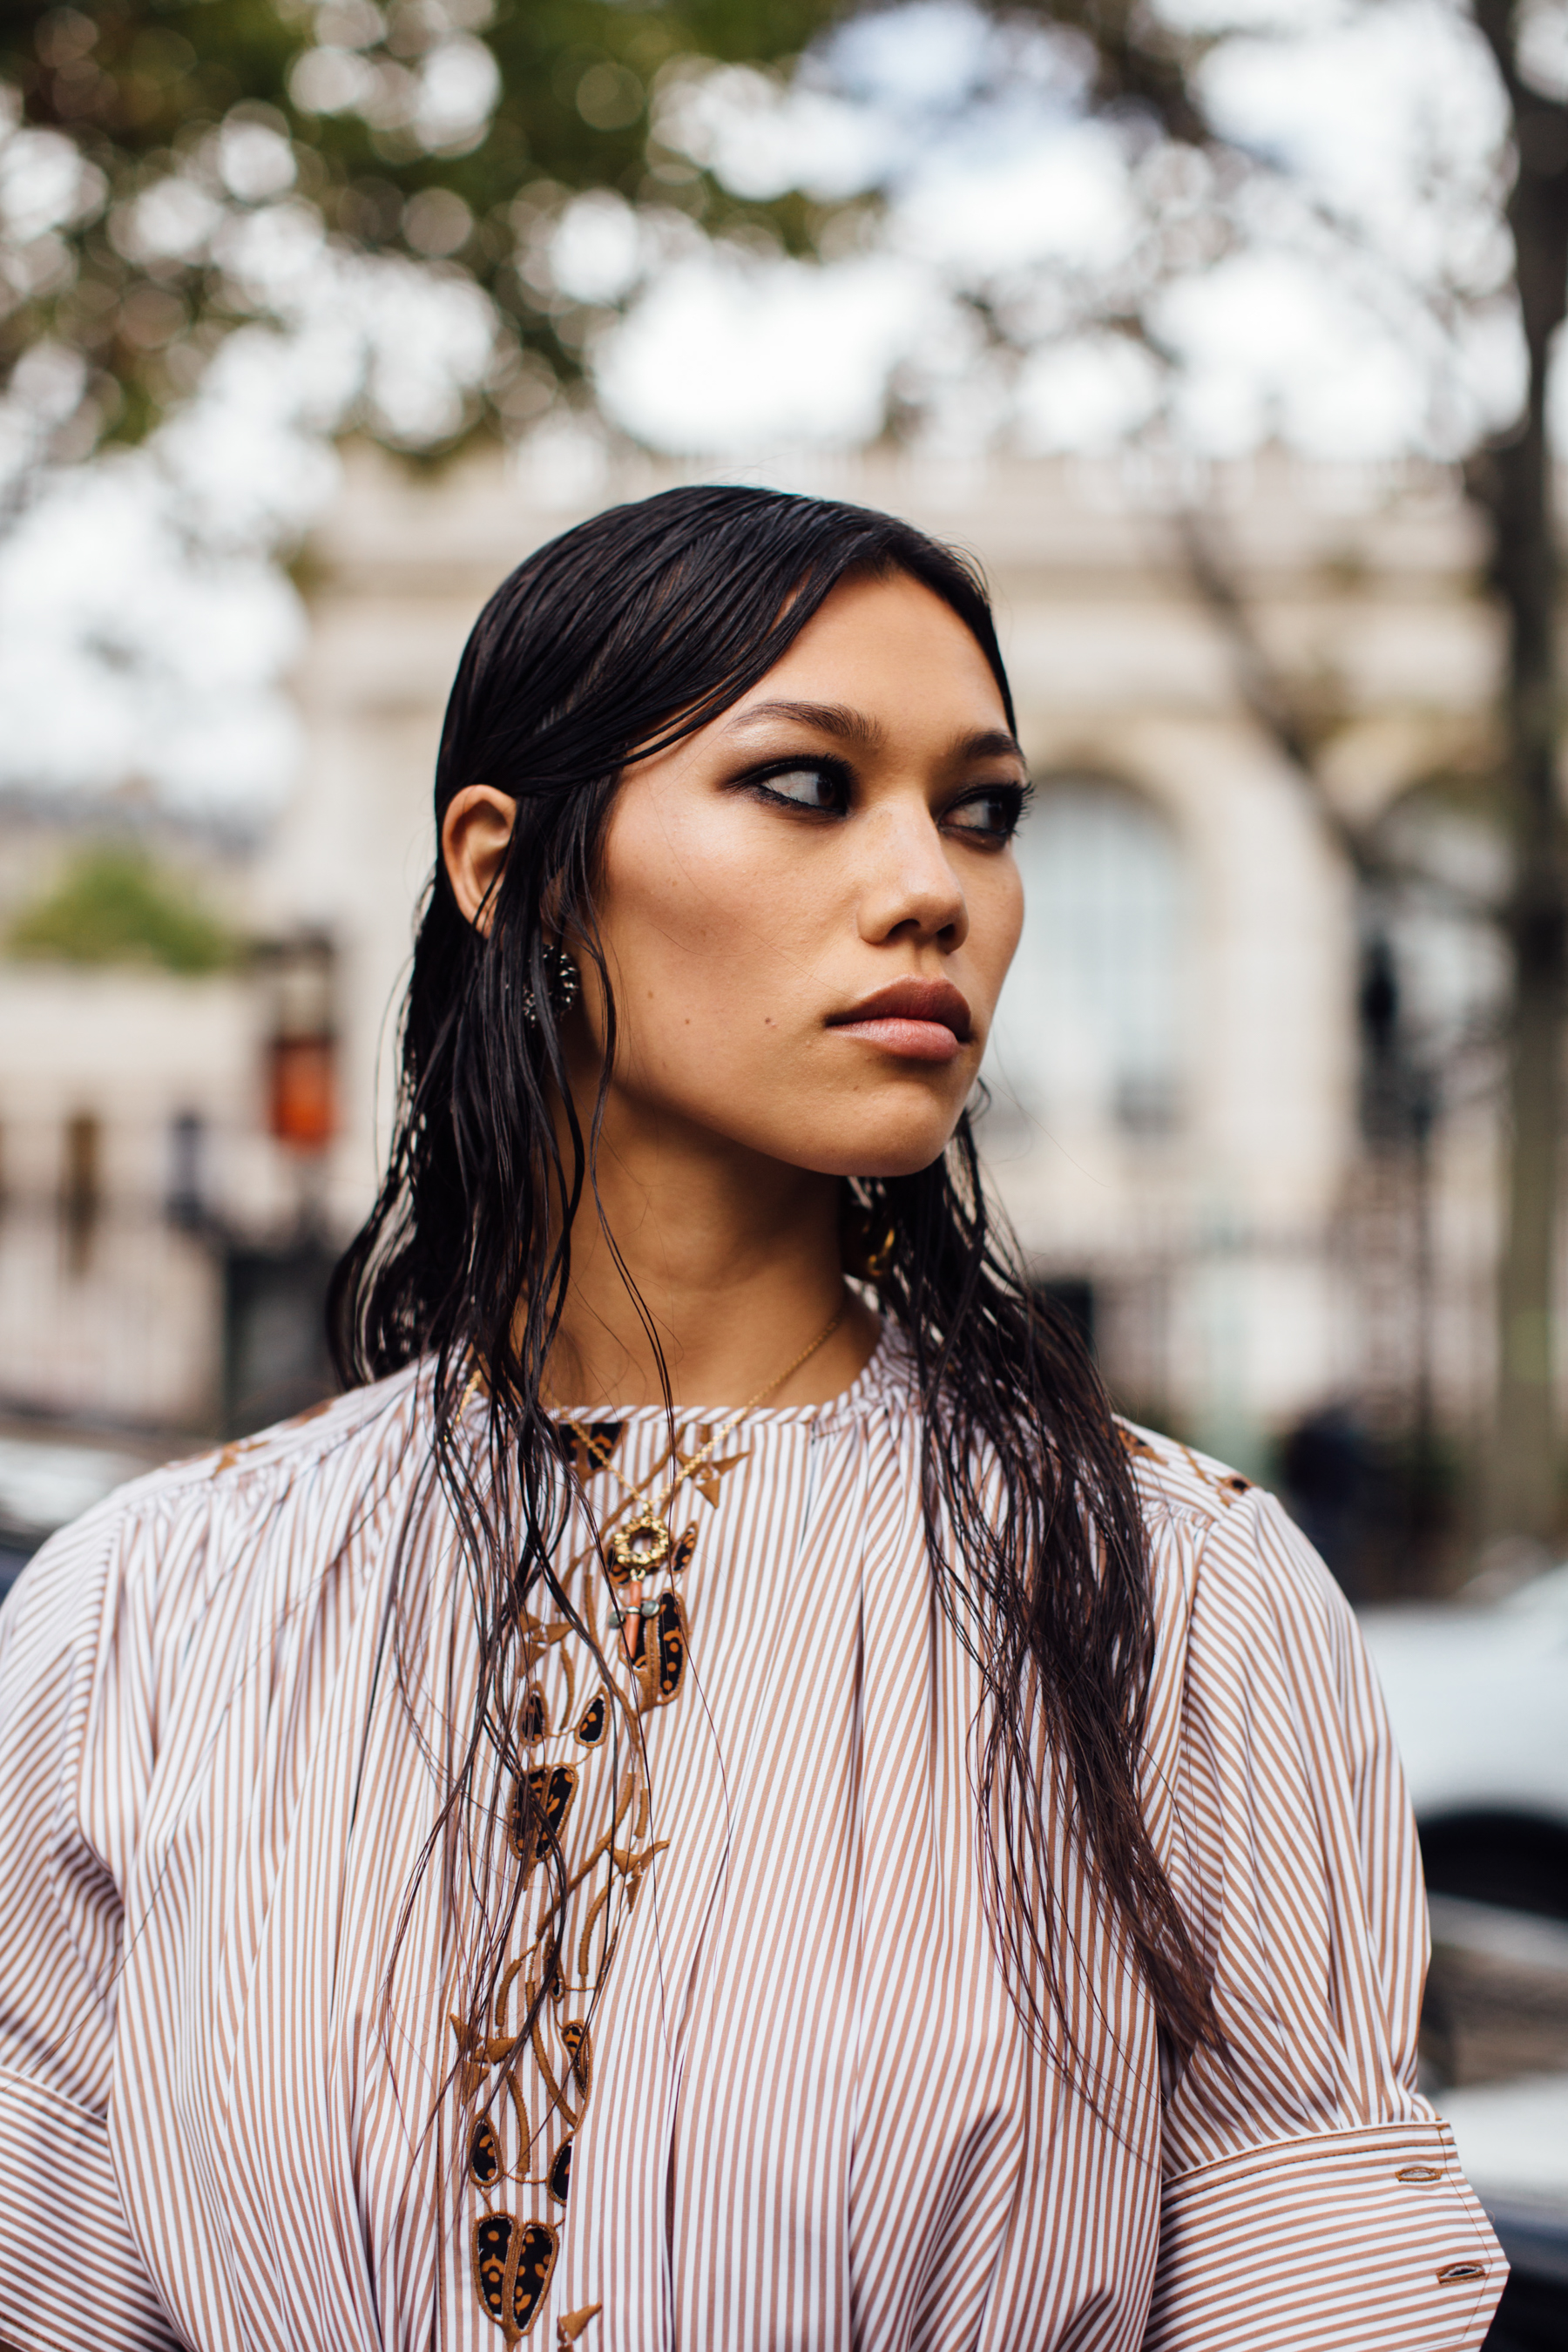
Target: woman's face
(809, 907)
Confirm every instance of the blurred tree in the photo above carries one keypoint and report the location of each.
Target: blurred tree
(449, 132)
(113, 905)
(1513, 483)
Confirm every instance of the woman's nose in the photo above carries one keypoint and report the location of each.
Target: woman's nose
(909, 886)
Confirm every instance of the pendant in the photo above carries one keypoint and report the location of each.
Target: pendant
(638, 1547)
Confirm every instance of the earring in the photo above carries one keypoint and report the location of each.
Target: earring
(878, 1260)
(563, 983)
(866, 1257)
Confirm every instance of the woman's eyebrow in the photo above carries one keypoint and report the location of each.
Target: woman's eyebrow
(855, 727)
(829, 718)
(991, 743)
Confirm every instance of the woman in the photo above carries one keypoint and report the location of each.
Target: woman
(705, 1803)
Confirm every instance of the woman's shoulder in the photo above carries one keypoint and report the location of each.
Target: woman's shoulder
(355, 1432)
(166, 1539)
(1173, 1477)
(1224, 1554)
(345, 1443)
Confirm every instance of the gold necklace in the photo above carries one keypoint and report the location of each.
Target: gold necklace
(642, 1544)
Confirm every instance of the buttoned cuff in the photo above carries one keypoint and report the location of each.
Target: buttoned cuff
(1366, 2240)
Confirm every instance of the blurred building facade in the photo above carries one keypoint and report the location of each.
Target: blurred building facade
(1186, 1126)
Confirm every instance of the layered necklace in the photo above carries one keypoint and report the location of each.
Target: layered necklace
(643, 1542)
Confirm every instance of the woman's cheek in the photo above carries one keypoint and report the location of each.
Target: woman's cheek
(1003, 929)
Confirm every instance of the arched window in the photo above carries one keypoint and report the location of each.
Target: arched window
(1089, 1030)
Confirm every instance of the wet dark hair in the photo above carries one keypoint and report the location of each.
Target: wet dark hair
(628, 633)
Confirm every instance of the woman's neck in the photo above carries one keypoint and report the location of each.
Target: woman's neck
(735, 1259)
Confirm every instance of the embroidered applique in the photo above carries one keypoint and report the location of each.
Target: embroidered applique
(663, 1661)
(541, 1802)
(706, 1480)
(579, 2044)
(238, 1447)
(530, 2071)
(532, 2068)
(538, 1639)
(512, 2263)
(484, 2154)
(524, 2133)
(1226, 1487)
(233, 1451)
(588, 1445)
(596, 1720)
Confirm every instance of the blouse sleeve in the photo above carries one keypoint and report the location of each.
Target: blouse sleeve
(76, 1722)
(1311, 2198)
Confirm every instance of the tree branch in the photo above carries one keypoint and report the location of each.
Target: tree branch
(1265, 693)
(1138, 63)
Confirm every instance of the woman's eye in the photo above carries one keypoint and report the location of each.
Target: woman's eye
(807, 788)
(993, 814)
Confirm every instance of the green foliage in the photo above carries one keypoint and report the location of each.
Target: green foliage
(113, 907)
(154, 91)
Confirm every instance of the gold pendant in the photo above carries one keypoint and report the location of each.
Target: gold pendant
(638, 1547)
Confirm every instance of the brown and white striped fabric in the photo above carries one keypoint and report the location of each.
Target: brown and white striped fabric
(811, 2119)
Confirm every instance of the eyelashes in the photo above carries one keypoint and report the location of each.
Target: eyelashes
(1006, 804)
(825, 787)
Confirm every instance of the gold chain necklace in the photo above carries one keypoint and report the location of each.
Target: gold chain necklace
(643, 1543)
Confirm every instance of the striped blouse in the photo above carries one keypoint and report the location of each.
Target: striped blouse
(777, 2094)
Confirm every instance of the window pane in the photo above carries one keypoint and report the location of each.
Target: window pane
(1089, 1024)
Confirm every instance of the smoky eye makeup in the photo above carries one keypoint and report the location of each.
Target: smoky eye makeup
(817, 786)
(989, 813)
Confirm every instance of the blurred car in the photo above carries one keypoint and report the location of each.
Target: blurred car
(48, 1480)
(1477, 1695)
(1478, 1699)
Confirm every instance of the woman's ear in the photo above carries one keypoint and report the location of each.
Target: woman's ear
(476, 834)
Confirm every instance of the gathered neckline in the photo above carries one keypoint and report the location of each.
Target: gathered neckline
(884, 1370)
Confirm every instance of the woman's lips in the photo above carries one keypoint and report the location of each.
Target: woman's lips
(917, 1041)
(922, 1020)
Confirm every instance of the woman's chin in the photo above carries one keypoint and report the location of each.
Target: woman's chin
(872, 1150)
